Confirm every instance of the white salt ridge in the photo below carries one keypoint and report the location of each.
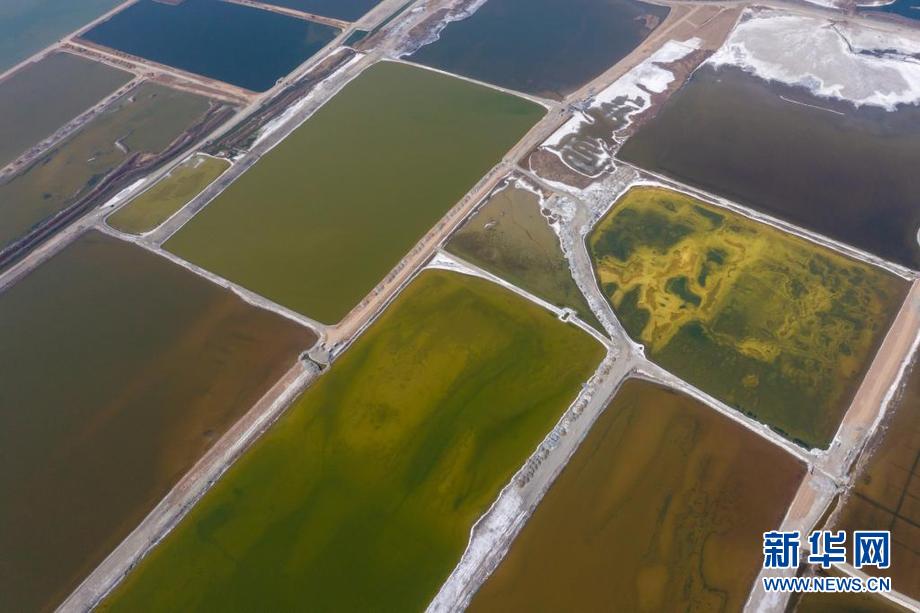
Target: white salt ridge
(832, 4)
(829, 61)
(296, 108)
(638, 86)
(433, 35)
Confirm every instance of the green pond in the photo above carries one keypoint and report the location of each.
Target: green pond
(145, 120)
(120, 369)
(168, 195)
(510, 237)
(362, 496)
(40, 98)
(323, 217)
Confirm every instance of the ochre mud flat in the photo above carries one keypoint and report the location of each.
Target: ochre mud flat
(40, 98)
(362, 496)
(168, 195)
(325, 215)
(767, 322)
(662, 508)
(119, 370)
(511, 238)
(887, 491)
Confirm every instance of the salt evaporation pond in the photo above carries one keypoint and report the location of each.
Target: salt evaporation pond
(361, 497)
(240, 45)
(544, 47)
(848, 173)
(661, 508)
(119, 370)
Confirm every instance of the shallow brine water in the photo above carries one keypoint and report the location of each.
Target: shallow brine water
(240, 45)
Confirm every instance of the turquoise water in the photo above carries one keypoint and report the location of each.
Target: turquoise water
(248, 47)
(28, 26)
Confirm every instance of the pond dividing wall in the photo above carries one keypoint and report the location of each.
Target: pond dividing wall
(326, 214)
(843, 172)
(362, 496)
(661, 508)
(120, 369)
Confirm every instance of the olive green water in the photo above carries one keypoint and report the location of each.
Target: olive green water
(771, 324)
(511, 238)
(145, 120)
(662, 508)
(168, 195)
(362, 496)
(40, 98)
(323, 217)
(119, 370)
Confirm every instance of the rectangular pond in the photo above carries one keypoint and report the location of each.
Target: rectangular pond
(362, 496)
(847, 173)
(28, 26)
(145, 120)
(40, 98)
(661, 508)
(168, 195)
(323, 217)
(544, 47)
(773, 325)
(510, 237)
(120, 369)
(237, 44)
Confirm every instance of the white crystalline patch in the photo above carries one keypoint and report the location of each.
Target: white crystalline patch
(637, 86)
(822, 57)
(864, 39)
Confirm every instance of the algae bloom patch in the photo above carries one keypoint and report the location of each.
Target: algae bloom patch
(362, 496)
(767, 322)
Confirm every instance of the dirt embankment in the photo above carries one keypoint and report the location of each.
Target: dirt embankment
(132, 169)
(242, 135)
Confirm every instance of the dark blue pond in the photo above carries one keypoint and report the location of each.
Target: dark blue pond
(545, 47)
(346, 10)
(248, 47)
(905, 8)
